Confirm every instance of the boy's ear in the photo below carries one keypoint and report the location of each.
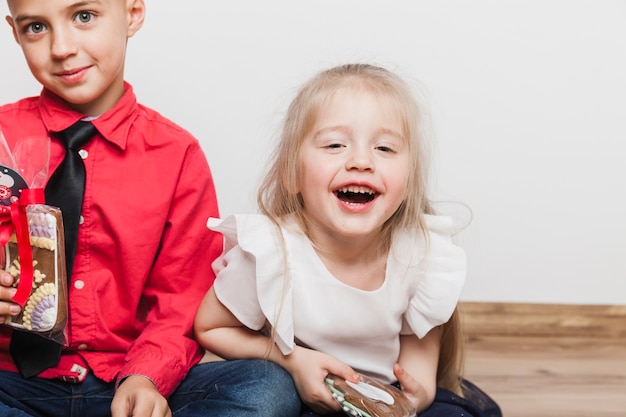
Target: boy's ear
(136, 15)
(9, 20)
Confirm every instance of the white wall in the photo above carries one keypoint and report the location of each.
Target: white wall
(528, 100)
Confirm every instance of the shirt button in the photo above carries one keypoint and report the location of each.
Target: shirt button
(81, 220)
(79, 284)
(83, 153)
(82, 346)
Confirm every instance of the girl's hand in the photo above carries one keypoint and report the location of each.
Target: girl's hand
(7, 307)
(308, 369)
(410, 386)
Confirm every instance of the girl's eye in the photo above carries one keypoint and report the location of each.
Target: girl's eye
(386, 149)
(83, 17)
(35, 28)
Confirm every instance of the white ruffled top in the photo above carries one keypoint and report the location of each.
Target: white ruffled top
(262, 278)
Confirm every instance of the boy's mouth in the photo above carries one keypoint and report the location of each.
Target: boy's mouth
(356, 194)
(73, 74)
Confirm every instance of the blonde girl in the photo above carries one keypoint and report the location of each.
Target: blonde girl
(347, 270)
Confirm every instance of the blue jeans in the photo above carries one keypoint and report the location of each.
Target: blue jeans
(222, 389)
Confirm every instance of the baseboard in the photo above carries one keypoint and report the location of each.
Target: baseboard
(549, 320)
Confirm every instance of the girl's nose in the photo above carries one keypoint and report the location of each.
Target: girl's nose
(360, 159)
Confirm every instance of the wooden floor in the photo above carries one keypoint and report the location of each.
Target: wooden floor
(548, 361)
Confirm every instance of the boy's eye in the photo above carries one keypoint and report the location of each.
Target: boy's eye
(35, 28)
(83, 17)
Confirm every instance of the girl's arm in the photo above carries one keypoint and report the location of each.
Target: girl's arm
(416, 369)
(219, 331)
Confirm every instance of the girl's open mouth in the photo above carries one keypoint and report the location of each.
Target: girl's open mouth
(356, 194)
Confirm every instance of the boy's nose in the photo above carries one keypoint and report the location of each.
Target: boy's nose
(62, 44)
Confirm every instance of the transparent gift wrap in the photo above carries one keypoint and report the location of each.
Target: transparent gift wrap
(32, 247)
(41, 312)
(369, 398)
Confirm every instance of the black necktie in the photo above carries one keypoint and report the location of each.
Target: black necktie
(32, 353)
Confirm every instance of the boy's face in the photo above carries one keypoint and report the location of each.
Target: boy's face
(76, 48)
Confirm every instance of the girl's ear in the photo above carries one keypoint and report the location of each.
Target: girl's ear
(292, 186)
(292, 182)
(136, 14)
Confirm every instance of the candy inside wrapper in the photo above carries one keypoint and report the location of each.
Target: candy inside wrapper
(369, 398)
(32, 242)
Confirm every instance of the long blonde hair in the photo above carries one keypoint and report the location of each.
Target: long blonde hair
(451, 360)
(277, 196)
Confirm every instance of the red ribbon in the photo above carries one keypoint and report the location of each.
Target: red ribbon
(13, 218)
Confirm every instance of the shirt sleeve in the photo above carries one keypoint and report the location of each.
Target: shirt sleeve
(250, 276)
(440, 282)
(180, 276)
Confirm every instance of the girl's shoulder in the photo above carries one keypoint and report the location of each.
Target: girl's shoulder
(239, 223)
(436, 239)
(435, 266)
(253, 229)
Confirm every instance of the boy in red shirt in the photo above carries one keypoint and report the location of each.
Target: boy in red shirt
(143, 255)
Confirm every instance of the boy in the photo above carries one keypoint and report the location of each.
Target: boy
(143, 254)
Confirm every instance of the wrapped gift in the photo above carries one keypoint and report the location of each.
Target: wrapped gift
(32, 242)
(369, 398)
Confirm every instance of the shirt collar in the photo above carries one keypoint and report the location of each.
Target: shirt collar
(114, 125)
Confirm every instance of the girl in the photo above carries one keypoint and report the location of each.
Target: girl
(348, 270)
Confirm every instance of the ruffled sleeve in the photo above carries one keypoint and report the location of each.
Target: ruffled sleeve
(441, 278)
(250, 275)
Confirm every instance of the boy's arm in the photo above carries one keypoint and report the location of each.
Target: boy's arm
(180, 276)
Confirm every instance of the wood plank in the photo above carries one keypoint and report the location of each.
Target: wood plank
(548, 360)
(524, 319)
(550, 377)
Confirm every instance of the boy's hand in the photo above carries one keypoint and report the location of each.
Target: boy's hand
(7, 307)
(138, 397)
(308, 369)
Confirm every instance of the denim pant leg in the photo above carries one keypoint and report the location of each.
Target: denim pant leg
(255, 388)
(38, 397)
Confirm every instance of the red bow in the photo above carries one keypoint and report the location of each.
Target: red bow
(13, 218)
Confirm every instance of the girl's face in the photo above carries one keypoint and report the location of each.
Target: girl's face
(76, 49)
(353, 166)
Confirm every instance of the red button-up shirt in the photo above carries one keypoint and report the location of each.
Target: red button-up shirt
(143, 257)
